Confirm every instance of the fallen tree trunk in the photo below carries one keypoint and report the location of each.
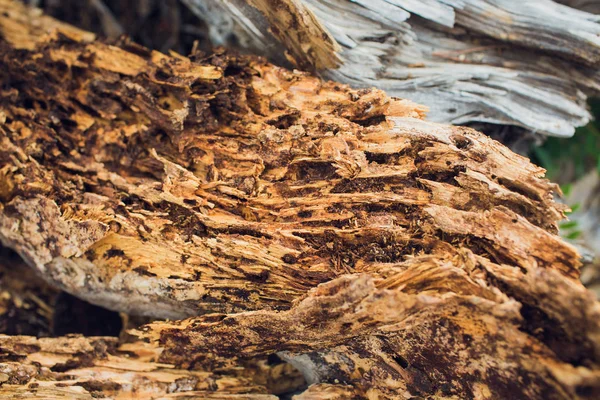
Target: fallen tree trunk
(349, 338)
(228, 184)
(383, 255)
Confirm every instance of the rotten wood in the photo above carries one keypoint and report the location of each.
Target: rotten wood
(450, 335)
(382, 255)
(158, 184)
(81, 368)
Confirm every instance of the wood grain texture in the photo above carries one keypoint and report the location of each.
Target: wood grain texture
(75, 367)
(382, 255)
(156, 178)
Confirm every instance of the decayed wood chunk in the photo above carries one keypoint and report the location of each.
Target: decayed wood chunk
(310, 45)
(86, 368)
(350, 338)
(383, 255)
(75, 367)
(171, 186)
(451, 335)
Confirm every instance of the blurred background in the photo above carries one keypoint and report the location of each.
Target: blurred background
(574, 163)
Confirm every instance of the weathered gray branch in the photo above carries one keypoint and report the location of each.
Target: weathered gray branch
(527, 63)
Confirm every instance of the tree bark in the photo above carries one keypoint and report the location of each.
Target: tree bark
(382, 255)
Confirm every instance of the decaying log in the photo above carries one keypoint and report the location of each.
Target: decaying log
(473, 342)
(350, 338)
(382, 255)
(155, 184)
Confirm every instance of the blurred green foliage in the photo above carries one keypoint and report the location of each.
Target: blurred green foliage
(567, 160)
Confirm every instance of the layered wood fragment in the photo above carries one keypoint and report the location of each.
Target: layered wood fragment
(75, 367)
(383, 255)
(351, 338)
(426, 331)
(86, 368)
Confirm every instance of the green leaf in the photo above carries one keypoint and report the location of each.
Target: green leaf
(573, 235)
(545, 159)
(568, 225)
(574, 157)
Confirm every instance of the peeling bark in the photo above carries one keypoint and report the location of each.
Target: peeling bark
(383, 255)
